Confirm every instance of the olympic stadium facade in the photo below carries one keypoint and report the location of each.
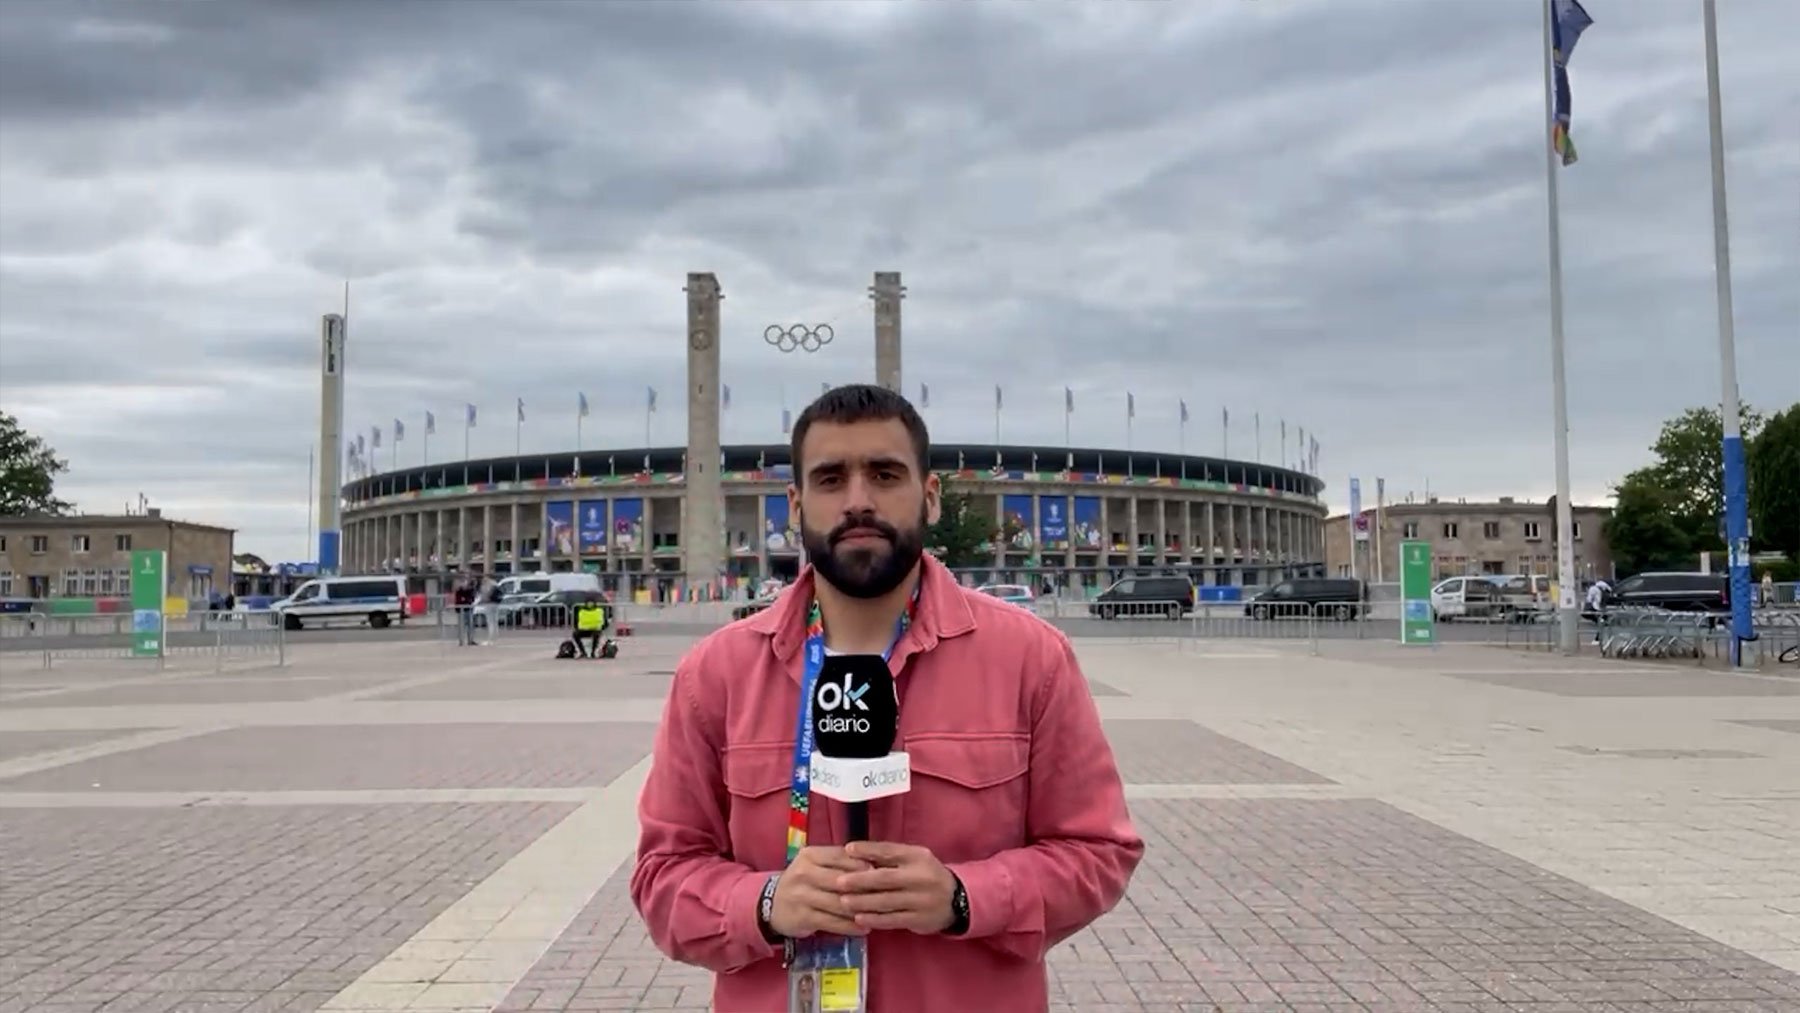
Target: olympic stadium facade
(1078, 517)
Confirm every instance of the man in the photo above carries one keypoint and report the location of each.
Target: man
(1596, 605)
(590, 619)
(487, 605)
(1014, 834)
(463, 600)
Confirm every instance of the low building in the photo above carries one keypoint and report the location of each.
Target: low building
(89, 556)
(1504, 536)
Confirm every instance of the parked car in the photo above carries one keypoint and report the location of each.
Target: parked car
(1018, 594)
(1679, 592)
(1338, 597)
(377, 601)
(1145, 596)
(754, 605)
(1472, 597)
(554, 610)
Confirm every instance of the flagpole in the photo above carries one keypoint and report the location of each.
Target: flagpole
(425, 447)
(1566, 614)
(466, 428)
(1737, 520)
(309, 499)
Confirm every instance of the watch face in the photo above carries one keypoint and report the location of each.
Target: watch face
(699, 340)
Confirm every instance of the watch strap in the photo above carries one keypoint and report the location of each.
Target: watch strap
(765, 910)
(959, 909)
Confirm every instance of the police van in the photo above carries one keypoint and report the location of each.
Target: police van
(347, 601)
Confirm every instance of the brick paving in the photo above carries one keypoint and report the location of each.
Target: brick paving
(1171, 751)
(240, 909)
(1379, 830)
(365, 756)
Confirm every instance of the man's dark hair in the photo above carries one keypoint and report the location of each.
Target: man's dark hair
(861, 402)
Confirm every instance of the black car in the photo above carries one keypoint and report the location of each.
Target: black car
(1145, 596)
(1338, 597)
(1677, 592)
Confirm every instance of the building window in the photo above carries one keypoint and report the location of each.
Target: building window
(1532, 531)
(90, 582)
(72, 583)
(106, 583)
(1493, 567)
(1490, 529)
(1450, 530)
(6, 579)
(1575, 529)
(1409, 530)
(122, 580)
(40, 544)
(80, 543)
(2, 543)
(122, 543)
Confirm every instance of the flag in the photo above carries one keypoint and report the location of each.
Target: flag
(998, 399)
(1068, 401)
(1130, 405)
(725, 396)
(824, 387)
(650, 399)
(375, 437)
(924, 395)
(430, 424)
(1567, 21)
(787, 422)
(521, 409)
(1184, 411)
(469, 416)
(399, 430)
(581, 405)
(361, 448)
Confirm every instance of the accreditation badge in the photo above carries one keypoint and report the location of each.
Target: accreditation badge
(829, 975)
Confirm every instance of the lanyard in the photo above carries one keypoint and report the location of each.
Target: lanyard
(800, 795)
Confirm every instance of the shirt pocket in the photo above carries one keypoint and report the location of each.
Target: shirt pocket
(969, 794)
(758, 777)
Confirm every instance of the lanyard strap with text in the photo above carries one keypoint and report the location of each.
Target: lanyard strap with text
(800, 795)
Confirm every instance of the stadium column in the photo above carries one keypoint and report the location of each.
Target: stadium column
(703, 510)
(1162, 531)
(487, 538)
(1069, 534)
(888, 292)
(515, 545)
(1187, 532)
(1131, 528)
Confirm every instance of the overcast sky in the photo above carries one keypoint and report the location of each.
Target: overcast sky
(1325, 211)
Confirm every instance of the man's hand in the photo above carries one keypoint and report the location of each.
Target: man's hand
(908, 888)
(807, 898)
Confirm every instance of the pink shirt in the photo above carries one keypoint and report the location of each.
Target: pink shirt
(1014, 788)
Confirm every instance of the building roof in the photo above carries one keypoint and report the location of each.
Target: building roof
(18, 521)
(1499, 506)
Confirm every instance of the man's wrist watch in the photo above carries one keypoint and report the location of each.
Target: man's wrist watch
(959, 909)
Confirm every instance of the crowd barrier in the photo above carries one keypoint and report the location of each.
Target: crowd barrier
(225, 638)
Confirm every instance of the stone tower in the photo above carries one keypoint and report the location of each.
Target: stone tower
(703, 512)
(887, 292)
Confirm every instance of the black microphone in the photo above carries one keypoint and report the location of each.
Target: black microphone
(855, 716)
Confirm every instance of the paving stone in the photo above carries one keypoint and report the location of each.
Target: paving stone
(274, 908)
(594, 681)
(25, 742)
(365, 756)
(1601, 683)
(1170, 751)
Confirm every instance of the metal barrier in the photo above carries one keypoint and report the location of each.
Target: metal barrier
(1654, 633)
(226, 637)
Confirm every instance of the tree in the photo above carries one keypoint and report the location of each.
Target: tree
(28, 470)
(1691, 461)
(964, 532)
(1645, 530)
(1775, 483)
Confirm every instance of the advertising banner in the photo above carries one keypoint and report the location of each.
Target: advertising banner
(560, 516)
(593, 527)
(1087, 523)
(1053, 522)
(628, 525)
(147, 587)
(1416, 625)
(1019, 523)
(779, 534)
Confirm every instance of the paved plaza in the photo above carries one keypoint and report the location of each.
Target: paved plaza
(388, 824)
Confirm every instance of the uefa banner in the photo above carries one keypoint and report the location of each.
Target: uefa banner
(1087, 524)
(560, 519)
(628, 525)
(1053, 523)
(593, 527)
(779, 535)
(1019, 525)
(148, 591)
(1416, 624)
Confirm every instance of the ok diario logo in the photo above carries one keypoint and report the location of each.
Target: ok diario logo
(835, 697)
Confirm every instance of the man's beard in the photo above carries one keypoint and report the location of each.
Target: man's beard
(864, 570)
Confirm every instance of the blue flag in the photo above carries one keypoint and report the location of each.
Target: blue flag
(1567, 21)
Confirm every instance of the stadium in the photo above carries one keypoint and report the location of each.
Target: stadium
(1076, 518)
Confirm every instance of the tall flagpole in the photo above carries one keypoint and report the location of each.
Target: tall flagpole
(1566, 615)
(1737, 490)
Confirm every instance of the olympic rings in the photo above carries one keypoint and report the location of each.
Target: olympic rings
(799, 336)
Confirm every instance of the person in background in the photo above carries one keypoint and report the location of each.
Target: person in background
(462, 599)
(1596, 601)
(487, 605)
(1768, 589)
(1014, 835)
(590, 619)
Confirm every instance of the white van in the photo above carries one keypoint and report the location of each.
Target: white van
(544, 583)
(329, 601)
(1467, 598)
